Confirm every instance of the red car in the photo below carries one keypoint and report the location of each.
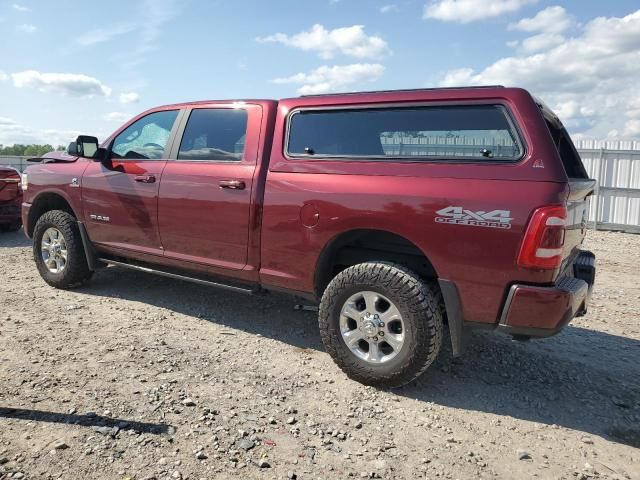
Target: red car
(10, 199)
(399, 212)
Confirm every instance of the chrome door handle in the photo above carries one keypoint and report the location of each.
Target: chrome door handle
(232, 184)
(145, 178)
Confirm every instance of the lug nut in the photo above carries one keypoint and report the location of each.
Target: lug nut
(381, 334)
(375, 339)
(381, 324)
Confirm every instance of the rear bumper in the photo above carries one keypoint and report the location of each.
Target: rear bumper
(10, 211)
(537, 311)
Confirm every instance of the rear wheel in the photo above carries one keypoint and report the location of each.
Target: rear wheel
(381, 324)
(58, 250)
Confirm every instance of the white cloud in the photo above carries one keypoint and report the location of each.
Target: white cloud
(155, 14)
(591, 78)
(633, 107)
(12, 132)
(552, 19)
(632, 128)
(547, 25)
(100, 35)
(26, 28)
(3, 76)
(392, 7)
(129, 97)
(351, 41)
(20, 8)
(65, 83)
(331, 78)
(119, 117)
(152, 17)
(465, 11)
(541, 41)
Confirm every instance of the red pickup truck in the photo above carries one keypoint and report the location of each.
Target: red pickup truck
(10, 199)
(399, 212)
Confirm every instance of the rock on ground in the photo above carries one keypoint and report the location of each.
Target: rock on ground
(144, 377)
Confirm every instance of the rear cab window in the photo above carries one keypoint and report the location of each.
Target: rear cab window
(476, 133)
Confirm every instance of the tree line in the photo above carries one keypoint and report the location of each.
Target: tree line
(32, 150)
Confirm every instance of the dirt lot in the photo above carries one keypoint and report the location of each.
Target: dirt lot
(137, 376)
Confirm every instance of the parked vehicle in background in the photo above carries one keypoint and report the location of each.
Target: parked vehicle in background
(10, 199)
(399, 212)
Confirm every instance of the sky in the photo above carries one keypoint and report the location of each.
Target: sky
(74, 67)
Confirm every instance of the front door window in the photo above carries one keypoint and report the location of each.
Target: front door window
(145, 139)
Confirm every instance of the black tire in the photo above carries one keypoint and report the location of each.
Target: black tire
(76, 271)
(421, 315)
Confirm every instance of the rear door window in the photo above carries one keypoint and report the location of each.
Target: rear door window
(473, 132)
(214, 134)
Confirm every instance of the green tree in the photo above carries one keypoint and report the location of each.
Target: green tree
(33, 150)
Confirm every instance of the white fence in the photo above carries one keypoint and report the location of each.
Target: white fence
(16, 162)
(615, 164)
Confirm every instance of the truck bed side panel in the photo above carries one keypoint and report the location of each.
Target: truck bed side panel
(480, 260)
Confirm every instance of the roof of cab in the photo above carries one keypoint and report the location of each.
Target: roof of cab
(366, 92)
(239, 101)
(339, 95)
(460, 94)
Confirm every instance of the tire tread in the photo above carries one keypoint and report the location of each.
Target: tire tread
(76, 272)
(419, 299)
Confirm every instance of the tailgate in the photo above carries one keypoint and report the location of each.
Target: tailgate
(577, 213)
(9, 184)
(581, 187)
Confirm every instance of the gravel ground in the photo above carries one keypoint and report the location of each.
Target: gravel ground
(136, 376)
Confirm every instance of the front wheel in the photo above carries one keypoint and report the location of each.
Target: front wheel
(381, 324)
(58, 250)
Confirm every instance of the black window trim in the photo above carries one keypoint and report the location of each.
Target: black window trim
(177, 140)
(167, 148)
(409, 158)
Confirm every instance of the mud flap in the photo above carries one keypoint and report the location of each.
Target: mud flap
(454, 314)
(88, 248)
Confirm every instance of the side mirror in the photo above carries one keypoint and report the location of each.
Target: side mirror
(102, 156)
(84, 146)
(72, 149)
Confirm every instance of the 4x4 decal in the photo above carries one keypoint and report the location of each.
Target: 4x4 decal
(462, 216)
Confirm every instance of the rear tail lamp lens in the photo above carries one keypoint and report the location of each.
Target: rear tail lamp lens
(543, 241)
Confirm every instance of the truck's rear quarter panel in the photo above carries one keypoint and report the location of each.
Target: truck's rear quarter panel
(403, 198)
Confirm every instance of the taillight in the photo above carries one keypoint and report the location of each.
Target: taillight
(11, 177)
(544, 238)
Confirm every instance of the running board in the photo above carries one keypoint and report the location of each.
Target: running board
(177, 276)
